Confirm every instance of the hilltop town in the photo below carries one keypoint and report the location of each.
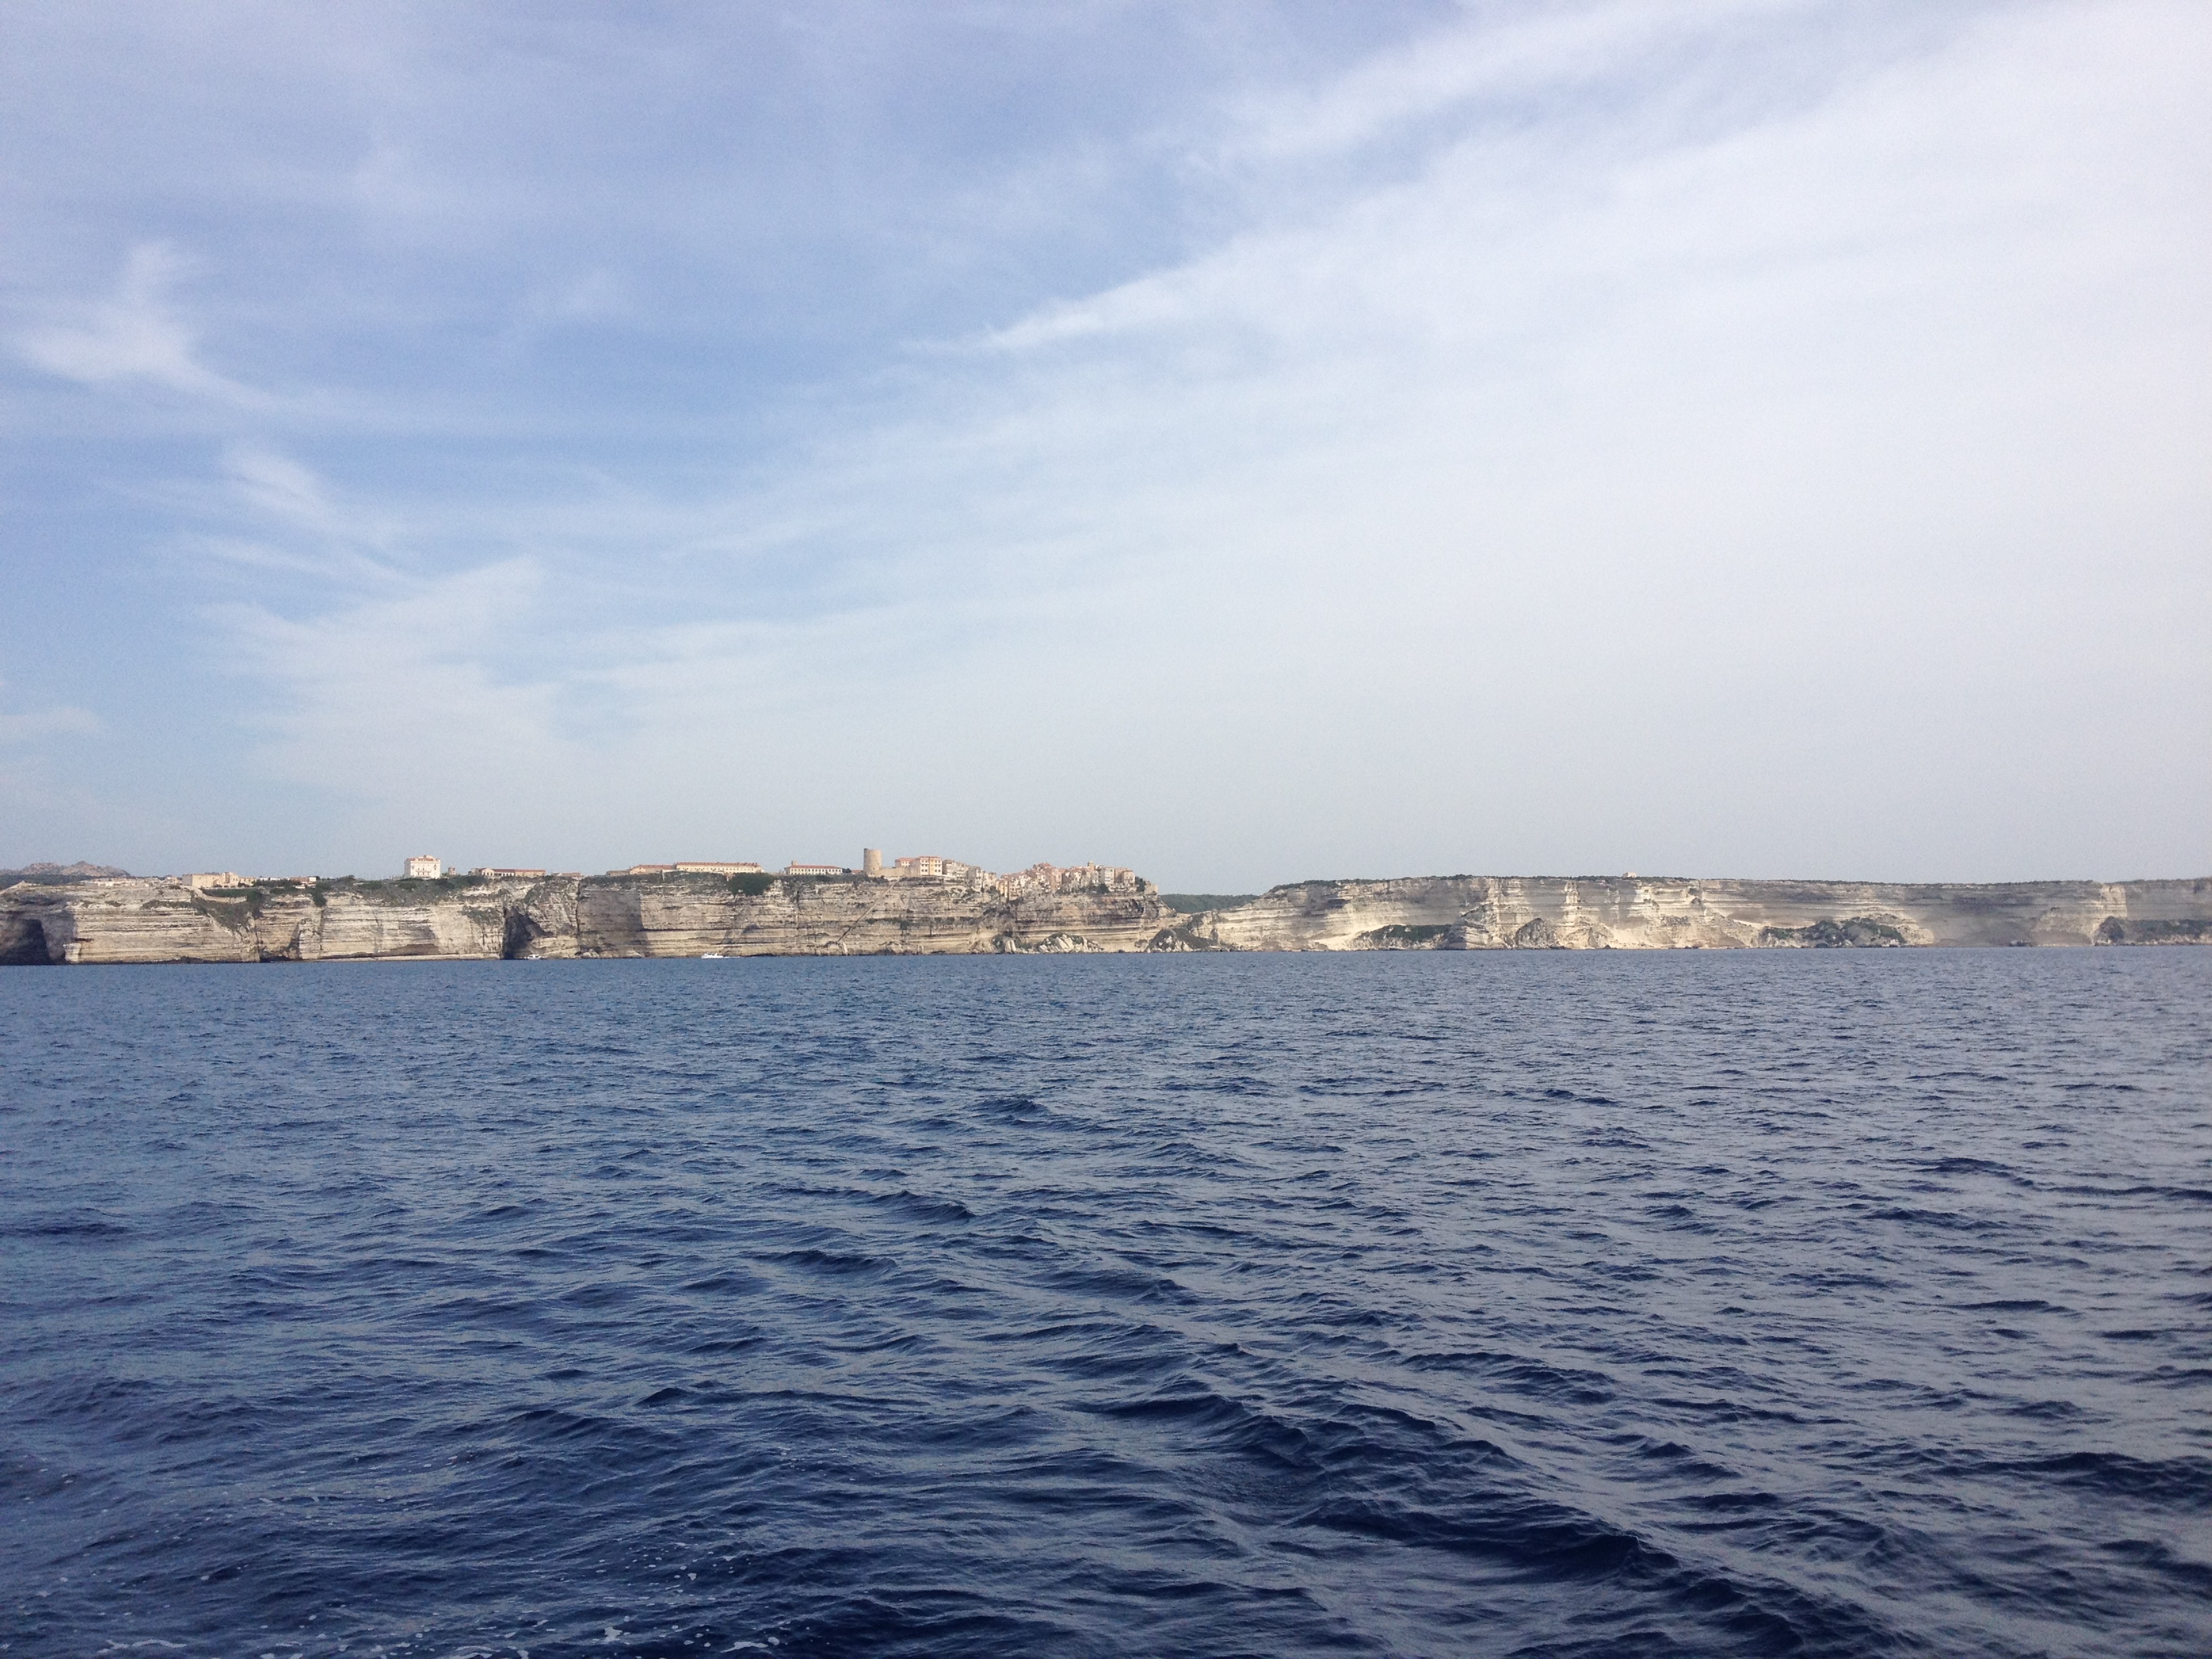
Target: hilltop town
(923, 904)
(926, 904)
(923, 866)
(1037, 879)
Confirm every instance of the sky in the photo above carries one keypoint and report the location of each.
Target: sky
(1245, 442)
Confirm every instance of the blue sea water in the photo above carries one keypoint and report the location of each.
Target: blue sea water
(1558, 1303)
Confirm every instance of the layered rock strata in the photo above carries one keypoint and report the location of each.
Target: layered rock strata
(655, 916)
(692, 915)
(1467, 913)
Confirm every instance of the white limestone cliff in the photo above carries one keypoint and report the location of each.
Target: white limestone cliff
(694, 914)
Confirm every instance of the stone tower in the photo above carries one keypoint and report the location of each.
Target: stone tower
(871, 860)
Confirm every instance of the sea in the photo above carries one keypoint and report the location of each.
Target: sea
(1517, 1302)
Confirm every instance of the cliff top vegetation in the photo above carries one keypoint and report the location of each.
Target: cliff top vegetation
(56, 875)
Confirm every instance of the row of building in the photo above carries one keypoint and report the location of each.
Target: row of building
(426, 867)
(422, 867)
(920, 866)
(923, 866)
(930, 866)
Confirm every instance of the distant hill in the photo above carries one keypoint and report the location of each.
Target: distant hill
(56, 875)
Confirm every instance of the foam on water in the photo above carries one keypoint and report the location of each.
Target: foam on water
(1539, 1304)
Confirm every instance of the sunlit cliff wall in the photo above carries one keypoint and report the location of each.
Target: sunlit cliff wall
(674, 915)
(693, 915)
(1461, 913)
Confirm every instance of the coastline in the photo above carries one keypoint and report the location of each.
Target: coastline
(680, 915)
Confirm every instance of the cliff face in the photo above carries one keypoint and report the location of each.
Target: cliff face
(1467, 913)
(168, 921)
(691, 915)
(681, 915)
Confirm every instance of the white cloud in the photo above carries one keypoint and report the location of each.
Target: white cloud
(302, 527)
(382, 667)
(1766, 454)
(134, 335)
(1617, 477)
(1497, 59)
(397, 698)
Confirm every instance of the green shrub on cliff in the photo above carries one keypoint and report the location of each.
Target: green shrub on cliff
(1406, 934)
(1829, 934)
(1191, 904)
(233, 907)
(2193, 930)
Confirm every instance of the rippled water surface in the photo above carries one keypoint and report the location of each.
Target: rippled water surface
(1848, 1302)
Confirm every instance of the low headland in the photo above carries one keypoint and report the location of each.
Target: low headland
(83, 915)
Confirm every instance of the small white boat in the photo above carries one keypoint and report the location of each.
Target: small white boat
(712, 955)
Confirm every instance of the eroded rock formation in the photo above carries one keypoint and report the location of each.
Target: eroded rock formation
(657, 915)
(689, 914)
(1466, 913)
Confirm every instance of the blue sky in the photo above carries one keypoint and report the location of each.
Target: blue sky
(1244, 441)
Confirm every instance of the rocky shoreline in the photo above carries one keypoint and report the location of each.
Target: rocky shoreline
(122, 920)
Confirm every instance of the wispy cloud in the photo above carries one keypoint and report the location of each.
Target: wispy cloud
(1509, 67)
(299, 525)
(383, 665)
(1747, 409)
(399, 696)
(135, 334)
